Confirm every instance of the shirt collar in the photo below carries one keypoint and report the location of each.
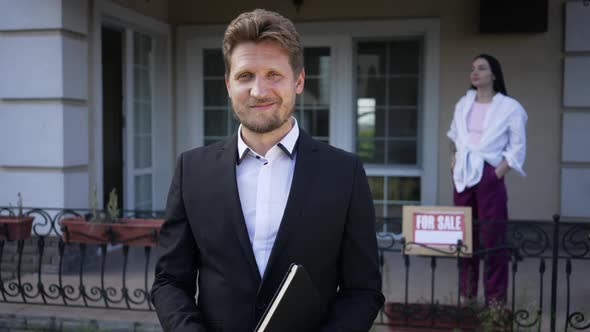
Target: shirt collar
(287, 144)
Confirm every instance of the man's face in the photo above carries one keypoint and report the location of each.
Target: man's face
(262, 86)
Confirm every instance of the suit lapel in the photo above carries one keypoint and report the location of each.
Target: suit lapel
(300, 187)
(228, 156)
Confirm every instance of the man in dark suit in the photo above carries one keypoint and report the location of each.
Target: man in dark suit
(240, 211)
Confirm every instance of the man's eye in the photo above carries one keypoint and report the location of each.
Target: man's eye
(244, 76)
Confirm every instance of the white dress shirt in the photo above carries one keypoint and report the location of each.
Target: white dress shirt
(264, 183)
(504, 137)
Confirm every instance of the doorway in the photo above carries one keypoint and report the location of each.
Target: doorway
(113, 120)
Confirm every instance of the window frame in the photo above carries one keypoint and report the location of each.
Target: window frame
(341, 37)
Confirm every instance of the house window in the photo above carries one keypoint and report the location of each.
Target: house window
(219, 119)
(371, 88)
(387, 117)
(313, 105)
(390, 193)
(142, 121)
(388, 120)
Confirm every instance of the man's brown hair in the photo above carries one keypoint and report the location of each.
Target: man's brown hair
(263, 25)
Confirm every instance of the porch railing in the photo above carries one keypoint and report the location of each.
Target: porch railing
(547, 258)
(542, 257)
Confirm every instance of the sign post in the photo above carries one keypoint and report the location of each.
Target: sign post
(435, 230)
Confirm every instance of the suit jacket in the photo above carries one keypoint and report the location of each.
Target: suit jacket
(327, 226)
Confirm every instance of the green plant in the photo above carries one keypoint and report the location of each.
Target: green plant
(113, 212)
(495, 318)
(113, 206)
(20, 205)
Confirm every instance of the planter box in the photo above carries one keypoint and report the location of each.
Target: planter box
(134, 232)
(15, 228)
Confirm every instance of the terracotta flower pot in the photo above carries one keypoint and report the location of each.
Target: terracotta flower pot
(129, 231)
(15, 228)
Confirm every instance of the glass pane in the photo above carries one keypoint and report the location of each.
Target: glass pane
(137, 83)
(403, 189)
(234, 123)
(136, 48)
(404, 57)
(394, 210)
(146, 88)
(306, 120)
(317, 61)
(379, 210)
(388, 80)
(371, 150)
(146, 48)
(143, 192)
(370, 121)
(215, 123)
(142, 151)
(312, 111)
(402, 152)
(376, 184)
(321, 125)
(215, 92)
(403, 123)
(213, 63)
(142, 120)
(316, 92)
(371, 58)
(371, 88)
(403, 91)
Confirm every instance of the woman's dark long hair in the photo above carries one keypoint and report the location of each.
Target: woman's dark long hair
(496, 69)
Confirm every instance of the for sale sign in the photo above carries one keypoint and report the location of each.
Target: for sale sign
(436, 230)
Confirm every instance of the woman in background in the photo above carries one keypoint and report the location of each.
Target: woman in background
(488, 135)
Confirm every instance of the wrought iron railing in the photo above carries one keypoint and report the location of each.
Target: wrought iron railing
(80, 274)
(552, 255)
(550, 247)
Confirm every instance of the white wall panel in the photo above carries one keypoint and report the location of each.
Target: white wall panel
(43, 135)
(576, 135)
(575, 192)
(30, 14)
(31, 66)
(75, 15)
(75, 68)
(577, 29)
(576, 81)
(43, 66)
(44, 188)
(70, 15)
(76, 190)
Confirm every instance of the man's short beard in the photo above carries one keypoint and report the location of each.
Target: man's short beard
(264, 128)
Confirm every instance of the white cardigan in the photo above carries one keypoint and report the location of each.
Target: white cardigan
(504, 137)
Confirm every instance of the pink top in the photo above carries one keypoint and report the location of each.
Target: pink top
(475, 121)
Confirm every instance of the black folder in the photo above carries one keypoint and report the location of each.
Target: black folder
(295, 305)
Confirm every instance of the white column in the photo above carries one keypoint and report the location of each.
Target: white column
(44, 102)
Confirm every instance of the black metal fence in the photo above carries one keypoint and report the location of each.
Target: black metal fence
(542, 259)
(46, 270)
(548, 259)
